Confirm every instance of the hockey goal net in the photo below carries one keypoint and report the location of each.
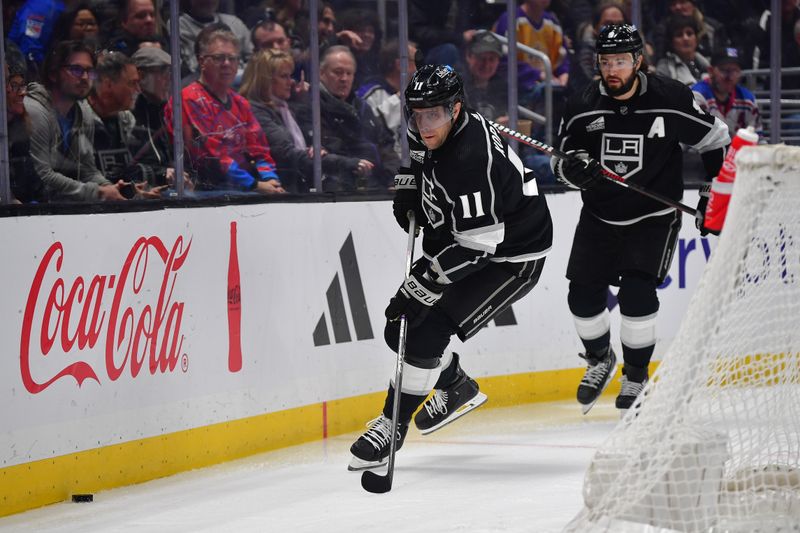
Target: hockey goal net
(713, 445)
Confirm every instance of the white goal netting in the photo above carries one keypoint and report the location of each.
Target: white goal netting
(714, 443)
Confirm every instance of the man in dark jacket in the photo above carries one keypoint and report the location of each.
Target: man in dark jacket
(349, 127)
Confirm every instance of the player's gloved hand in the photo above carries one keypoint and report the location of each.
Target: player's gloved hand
(578, 171)
(406, 198)
(414, 299)
(702, 204)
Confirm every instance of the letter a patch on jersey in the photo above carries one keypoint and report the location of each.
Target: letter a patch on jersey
(622, 153)
(657, 129)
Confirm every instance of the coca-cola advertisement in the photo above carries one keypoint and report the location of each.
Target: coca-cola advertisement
(131, 316)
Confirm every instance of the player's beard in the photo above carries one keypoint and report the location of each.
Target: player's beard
(625, 87)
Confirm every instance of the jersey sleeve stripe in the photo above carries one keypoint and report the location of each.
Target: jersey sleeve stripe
(675, 112)
(483, 239)
(717, 138)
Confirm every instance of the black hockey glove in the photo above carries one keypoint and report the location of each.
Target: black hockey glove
(406, 198)
(414, 299)
(578, 171)
(702, 204)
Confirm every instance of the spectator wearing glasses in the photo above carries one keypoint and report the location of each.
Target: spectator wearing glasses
(78, 23)
(138, 23)
(201, 13)
(722, 96)
(683, 62)
(61, 133)
(26, 186)
(227, 148)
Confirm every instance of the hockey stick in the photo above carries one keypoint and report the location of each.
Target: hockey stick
(553, 151)
(371, 481)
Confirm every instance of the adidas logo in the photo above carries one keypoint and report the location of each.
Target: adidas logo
(596, 124)
(336, 309)
(337, 314)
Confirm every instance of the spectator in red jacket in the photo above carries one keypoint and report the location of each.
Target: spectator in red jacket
(226, 146)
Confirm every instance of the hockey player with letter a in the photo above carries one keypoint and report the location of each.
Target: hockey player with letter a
(632, 124)
(486, 231)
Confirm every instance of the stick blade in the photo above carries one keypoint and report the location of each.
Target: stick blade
(376, 483)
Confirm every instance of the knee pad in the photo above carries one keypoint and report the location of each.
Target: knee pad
(637, 294)
(590, 312)
(426, 341)
(587, 300)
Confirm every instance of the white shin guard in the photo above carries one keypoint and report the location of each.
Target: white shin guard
(419, 381)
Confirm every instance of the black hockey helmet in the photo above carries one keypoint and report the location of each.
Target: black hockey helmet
(619, 39)
(434, 85)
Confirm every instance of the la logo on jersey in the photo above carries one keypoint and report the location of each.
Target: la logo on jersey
(622, 153)
(432, 211)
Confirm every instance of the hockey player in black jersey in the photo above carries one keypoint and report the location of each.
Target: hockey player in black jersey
(630, 123)
(486, 231)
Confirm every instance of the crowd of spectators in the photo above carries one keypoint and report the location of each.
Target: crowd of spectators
(88, 84)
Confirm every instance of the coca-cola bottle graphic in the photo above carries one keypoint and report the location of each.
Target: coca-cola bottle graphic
(234, 307)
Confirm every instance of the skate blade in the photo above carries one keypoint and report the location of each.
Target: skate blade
(585, 408)
(359, 465)
(471, 405)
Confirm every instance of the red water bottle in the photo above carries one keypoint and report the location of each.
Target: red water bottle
(234, 307)
(722, 185)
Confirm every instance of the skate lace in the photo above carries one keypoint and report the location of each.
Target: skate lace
(631, 388)
(437, 403)
(379, 431)
(595, 373)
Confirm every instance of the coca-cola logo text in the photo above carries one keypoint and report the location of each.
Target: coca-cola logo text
(76, 315)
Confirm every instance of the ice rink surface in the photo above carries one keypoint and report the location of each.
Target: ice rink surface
(515, 469)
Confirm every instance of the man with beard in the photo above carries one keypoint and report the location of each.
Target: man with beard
(632, 124)
(61, 132)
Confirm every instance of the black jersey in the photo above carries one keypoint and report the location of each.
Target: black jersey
(480, 202)
(640, 140)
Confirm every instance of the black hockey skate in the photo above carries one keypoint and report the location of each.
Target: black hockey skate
(371, 450)
(633, 381)
(449, 404)
(597, 377)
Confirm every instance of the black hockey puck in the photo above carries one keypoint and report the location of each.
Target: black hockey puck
(82, 498)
